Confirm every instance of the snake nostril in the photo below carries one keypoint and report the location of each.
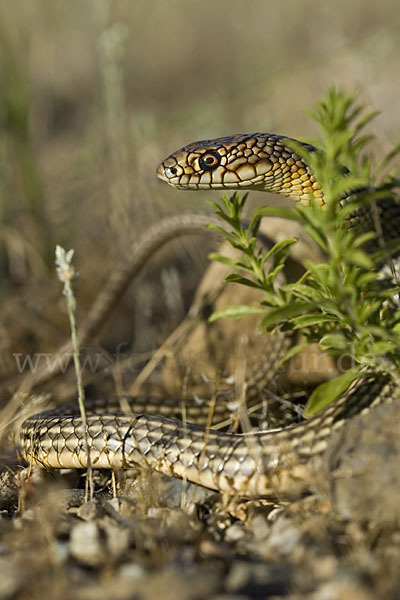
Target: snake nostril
(171, 171)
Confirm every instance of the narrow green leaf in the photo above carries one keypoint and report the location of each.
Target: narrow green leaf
(328, 392)
(366, 119)
(389, 157)
(360, 258)
(333, 340)
(318, 237)
(311, 319)
(234, 278)
(222, 259)
(305, 292)
(217, 228)
(276, 211)
(270, 299)
(280, 250)
(293, 351)
(236, 312)
(286, 313)
(363, 238)
(380, 348)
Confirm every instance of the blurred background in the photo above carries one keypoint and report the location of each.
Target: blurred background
(93, 95)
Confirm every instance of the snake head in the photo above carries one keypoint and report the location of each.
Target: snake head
(231, 162)
(259, 161)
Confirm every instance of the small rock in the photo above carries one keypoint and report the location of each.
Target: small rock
(284, 537)
(238, 576)
(342, 590)
(87, 511)
(324, 567)
(113, 504)
(259, 580)
(86, 545)
(177, 494)
(361, 467)
(131, 572)
(117, 537)
(234, 533)
(211, 549)
(260, 527)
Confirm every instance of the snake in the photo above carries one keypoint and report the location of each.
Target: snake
(122, 433)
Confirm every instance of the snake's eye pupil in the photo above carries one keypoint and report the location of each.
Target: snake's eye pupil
(210, 161)
(172, 170)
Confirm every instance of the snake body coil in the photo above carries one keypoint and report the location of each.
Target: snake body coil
(253, 464)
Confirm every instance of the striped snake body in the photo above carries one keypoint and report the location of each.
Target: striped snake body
(249, 465)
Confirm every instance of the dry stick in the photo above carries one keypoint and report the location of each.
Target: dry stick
(66, 274)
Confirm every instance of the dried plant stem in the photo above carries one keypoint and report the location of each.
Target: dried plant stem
(66, 274)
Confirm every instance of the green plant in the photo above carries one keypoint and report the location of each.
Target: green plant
(340, 304)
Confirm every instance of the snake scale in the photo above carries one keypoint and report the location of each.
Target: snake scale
(254, 464)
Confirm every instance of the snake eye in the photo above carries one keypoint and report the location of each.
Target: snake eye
(210, 160)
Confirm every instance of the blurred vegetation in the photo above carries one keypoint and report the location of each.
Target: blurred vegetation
(94, 94)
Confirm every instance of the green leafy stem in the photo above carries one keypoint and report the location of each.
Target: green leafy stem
(341, 304)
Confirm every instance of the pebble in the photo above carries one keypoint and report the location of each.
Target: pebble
(234, 533)
(117, 537)
(284, 537)
(260, 527)
(87, 511)
(258, 579)
(86, 545)
(341, 590)
(362, 466)
(132, 573)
